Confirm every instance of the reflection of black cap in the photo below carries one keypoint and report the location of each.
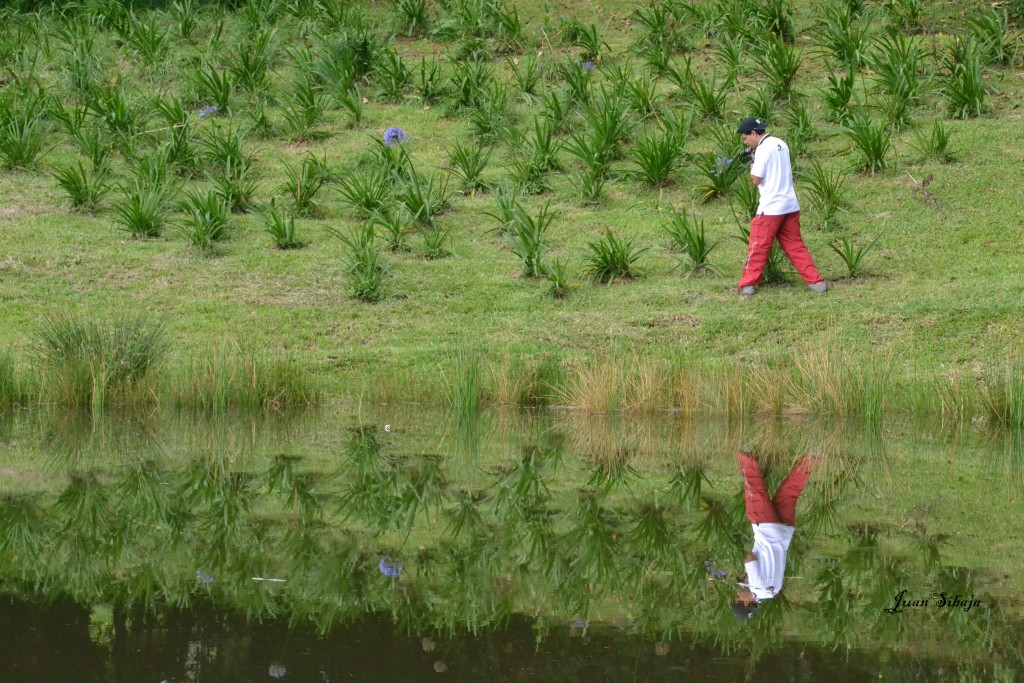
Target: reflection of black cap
(745, 612)
(750, 124)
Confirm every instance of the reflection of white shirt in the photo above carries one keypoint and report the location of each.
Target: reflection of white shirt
(766, 571)
(772, 166)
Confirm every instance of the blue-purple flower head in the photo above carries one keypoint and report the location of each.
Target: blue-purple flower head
(394, 136)
(277, 670)
(204, 578)
(389, 567)
(713, 570)
(208, 112)
(721, 165)
(588, 66)
(580, 624)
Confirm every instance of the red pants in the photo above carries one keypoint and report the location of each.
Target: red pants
(782, 508)
(766, 229)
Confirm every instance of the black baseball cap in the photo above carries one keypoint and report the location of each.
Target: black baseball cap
(750, 124)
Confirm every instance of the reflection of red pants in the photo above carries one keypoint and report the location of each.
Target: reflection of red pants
(782, 508)
(766, 229)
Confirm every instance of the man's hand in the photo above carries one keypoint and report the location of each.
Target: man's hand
(747, 156)
(749, 558)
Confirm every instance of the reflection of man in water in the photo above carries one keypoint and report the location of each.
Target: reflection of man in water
(773, 521)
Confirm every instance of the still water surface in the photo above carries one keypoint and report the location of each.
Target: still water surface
(404, 545)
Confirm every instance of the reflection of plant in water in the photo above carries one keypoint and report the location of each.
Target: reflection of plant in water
(593, 539)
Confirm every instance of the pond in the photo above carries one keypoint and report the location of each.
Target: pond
(395, 543)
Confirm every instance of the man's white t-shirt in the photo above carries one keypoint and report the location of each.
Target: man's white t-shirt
(766, 571)
(772, 166)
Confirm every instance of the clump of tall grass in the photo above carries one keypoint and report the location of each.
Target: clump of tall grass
(610, 258)
(838, 95)
(829, 381)
(1002, 393)
(665, 33)
(998, 44)
(688, 237)
(705, 96)
(463, 380)
(92, 364)
(227, 376)
(13, 390)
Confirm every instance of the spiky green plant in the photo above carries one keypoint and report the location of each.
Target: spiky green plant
(364, 263)
(688, 237)
(302, 184)
(468, 162)
(825, 187)
(279, 223)
(86, 188)
(657, 157)
(853, 252)
(610, 258)
(528, 236)
(933, 142)
(779, 66)
(558, 280)
(143, 210)
(963, 84)
(872, 139)
(366, 192)
(206, 219)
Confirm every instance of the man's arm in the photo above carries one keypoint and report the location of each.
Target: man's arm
(755, 179)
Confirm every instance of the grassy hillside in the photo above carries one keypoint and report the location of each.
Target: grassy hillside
(940, 289)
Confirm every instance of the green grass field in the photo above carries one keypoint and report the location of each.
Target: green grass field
(940, 290)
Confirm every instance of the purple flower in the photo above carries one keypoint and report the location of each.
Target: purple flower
(208, 112)
(714, 571)
(394, 136)
(205, 579)
(389, 567)
(580, 624)
(721, 165)
(587, 66)
(277, 670)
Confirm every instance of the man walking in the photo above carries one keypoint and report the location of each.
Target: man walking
(774, 521)
(778, 212)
